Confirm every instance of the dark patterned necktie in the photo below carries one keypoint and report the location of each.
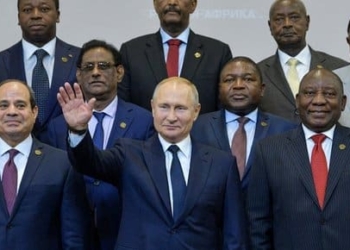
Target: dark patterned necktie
(40, 84)
(9, 180)
(99, 133)
(239, 145)
(178, 182)
(172, 62)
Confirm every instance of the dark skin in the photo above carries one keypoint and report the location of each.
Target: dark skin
(240, 87)
(174, 15)
(288, 25)
(38, 19)
(320, 100)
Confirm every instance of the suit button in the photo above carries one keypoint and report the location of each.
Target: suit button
(96, 182)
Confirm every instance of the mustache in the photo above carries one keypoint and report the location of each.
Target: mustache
(172, 8)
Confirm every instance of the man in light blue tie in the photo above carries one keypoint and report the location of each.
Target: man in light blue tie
(99, 72)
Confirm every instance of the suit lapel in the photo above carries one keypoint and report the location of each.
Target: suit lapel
(199, 171)
(16, 63)
(339, 159)
(193, 56)
(155, 56)
(276, 75)
(298, 156)
(122, 122)
(35, 157)
(155, 162)
(218, 125)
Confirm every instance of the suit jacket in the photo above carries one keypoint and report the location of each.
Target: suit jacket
(278, 98)
(50, 209)
(145, 67)
(212, 217)
(12, 67)
(130, 121)
(344, 74)
(284, 212)
(211, 129)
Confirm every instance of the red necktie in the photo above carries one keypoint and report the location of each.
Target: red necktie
(319, 168)
(239, 145)
(9, 180)
(172, 62)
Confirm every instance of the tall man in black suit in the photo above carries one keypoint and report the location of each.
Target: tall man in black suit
(42, 198)
(38, 20)
(289, 24)
(99, 72)
(177, 194)
(200, 58)
(298, 196)
(240, 91)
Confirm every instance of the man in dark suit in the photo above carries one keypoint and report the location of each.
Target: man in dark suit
(298, 196)
(200, 58)
(240, 91)
(289, 24)
(99, 72)
(42, 201)
(185, 199)
(38, 23)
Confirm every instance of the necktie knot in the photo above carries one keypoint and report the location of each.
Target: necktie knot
(12, 153)
(242, 120)
(174, 42)
(174, 149)
(293, 62)
(40, 54)
(99, 116)
(318, 138)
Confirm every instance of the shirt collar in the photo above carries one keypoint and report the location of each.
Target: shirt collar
(29, 48)
(303, 57)
(111, 109)
(184, 145)
(183, 36)
(230, 117)
(24, 147)
(309, 133)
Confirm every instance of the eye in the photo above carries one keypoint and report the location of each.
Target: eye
(330, 94)
(26, 10)
(3, 106)
(229, 80)
(87, 67)
(309, 93)
(103, 65)
(45, 9)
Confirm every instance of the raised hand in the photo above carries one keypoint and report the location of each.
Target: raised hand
(76, 111)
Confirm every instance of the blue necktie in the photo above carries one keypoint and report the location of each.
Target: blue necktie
(178, 182)
(40, 84)
(99, 134)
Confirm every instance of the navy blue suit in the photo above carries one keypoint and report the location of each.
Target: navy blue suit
(282, 202)
(130, 121)
(212, 217)
(50, 210)
(211, 129)
(12, 67)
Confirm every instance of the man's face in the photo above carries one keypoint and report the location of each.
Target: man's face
(288, 24)
(174, 14)
(240, 88)
(38, 19)
(320, 100)
(17, 118)
(98, 76)
(174, 110)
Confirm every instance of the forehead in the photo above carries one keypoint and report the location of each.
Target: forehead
(281, 7)
(36, 2)
(174, 92)
(14, 89)
(97, 53)
(239, 67)
(321, 80)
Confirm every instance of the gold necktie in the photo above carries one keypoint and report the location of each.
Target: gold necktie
(292, 75)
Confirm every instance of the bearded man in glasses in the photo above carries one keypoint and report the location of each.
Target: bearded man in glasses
(99, 70)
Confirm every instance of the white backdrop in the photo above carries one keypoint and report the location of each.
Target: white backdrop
(240, 23)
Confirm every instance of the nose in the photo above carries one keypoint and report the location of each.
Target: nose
(172, 115)
(11, 110)
(238, 83)
(36, 13)
(319, 98)
(95, 72)
(287, 22)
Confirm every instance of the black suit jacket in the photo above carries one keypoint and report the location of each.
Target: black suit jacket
(143, 59)
(278, 98)
(212, 216)
(284, 212)
(50, 211)
(12, 67)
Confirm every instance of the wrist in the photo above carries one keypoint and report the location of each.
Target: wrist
(77, 131)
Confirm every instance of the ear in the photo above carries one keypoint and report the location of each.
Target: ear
(58, 16)
(343, 102)
(119, 73)
(78, 75)
(153, 107)
(262, 89)
(197, 109)
(307, 22)
(193, 6)
(35, 112)
(348, 39)
(269, 24)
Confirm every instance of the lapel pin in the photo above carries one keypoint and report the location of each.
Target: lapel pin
(197, 55)
(64, 59)
(342, 146)
(264, 124)
(37, 152)
(70, 55)
(122, 125)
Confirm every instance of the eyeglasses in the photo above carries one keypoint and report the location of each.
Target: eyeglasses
(87, 67)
